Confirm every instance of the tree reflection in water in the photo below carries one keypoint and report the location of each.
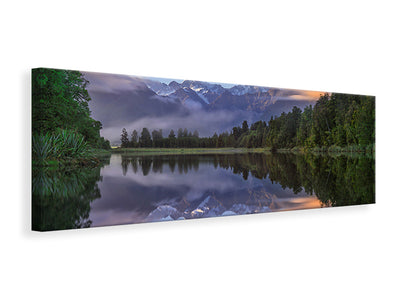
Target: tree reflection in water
(336, 180)
(62, 199)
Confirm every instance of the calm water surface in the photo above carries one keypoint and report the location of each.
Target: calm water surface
(137, 189)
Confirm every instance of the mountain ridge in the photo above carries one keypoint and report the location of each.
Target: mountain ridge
(134, 103)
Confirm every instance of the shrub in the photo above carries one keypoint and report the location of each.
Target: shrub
(61, 145)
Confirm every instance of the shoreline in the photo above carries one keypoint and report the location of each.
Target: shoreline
(295, 150)
(175, 151)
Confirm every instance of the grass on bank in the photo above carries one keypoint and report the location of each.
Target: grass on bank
(165, 151)
(152, 151)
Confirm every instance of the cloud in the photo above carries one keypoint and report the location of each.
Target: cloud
(299, 95)
(112, 83)
(200, 120)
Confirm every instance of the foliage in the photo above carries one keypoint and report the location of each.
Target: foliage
(60, 101)
(145, 138)
(61, 198)
(62, 145)
(124, 138)
(134, 139)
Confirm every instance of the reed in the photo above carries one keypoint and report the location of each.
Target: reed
(62, 145)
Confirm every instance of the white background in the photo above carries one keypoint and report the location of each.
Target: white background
(336, 253)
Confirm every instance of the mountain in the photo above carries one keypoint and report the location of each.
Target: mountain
(134, 103)
(188, 98)
(158, 87)
(212, 97)
(207, 91)
(240, 90)
(174, 85)
(269, 100)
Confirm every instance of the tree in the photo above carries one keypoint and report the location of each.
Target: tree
(157, 138)
(365, 124)
(196, 134)
(245, 127)
(291, 126)
(180, 133)
(323, 117)
(134, 138)
(104, 144)
(171, 139)
(304, 131)
(145, 139)
(220, 141)
(214, 140)
(236, 132)
(124, 138)
(60, 100)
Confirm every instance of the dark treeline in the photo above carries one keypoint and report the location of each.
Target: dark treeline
(181, 139)
(336, 120)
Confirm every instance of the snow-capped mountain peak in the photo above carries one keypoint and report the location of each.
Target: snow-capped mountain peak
(206, 91)
(239, 90)
(159, 88)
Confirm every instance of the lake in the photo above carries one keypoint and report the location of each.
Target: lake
(127, 189)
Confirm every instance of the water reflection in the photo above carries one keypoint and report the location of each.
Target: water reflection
(61, 197)
(135, 189)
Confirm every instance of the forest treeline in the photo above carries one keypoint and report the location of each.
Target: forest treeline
(335, 121)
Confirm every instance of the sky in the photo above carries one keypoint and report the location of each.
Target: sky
(123, 101)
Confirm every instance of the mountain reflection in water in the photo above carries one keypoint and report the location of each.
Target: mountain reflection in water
(135, 189)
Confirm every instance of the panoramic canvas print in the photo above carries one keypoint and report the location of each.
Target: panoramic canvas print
(113, 149)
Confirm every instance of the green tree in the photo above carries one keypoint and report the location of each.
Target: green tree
(145, 139)
(157, 138)
(305, 126)
(245, 127)
(323, 118)
(180, 133)
(124, 139)
(365, 122)
(134, 138)
(171, 139)
(236, 132)
(171, 134)
(60, 101)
